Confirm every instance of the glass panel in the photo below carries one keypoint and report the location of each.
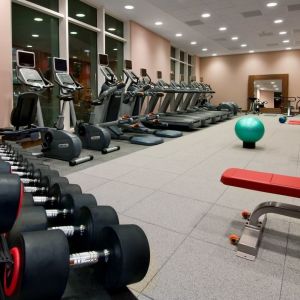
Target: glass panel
(189, 59)
(189, 74)
(44, 46)
(83, 66)
(181, 55)
(83, 12)
(115, 51)
(173, 67)
(173, 52)
(51, 4)
(114, 26)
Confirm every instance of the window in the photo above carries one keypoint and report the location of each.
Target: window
(83, 12)
(51, 4)
(173, 68)
(181, 55)
(189, 59)
(114, 26)
(173, 52)
(181, 70)
(189, 74)
(115, 51)
(45, 45)
(83, 66)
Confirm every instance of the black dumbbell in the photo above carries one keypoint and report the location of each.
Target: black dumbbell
(88, 221)
(42, 260)
(40, 181)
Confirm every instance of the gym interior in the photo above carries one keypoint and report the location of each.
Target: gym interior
(148, 149)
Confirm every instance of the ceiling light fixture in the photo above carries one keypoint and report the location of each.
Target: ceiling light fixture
(38, 19)
(205, 15)
(277, 89)
(74, 57)
(80, 15)
(282, 32)
(29, 46)
(73, 32)
(35, 35)
(193, 43)
(235, 38)
(286, 41)
(223, 28)
(178, 34)
(272, 82)
(204, 49)
(288, 48)
(158, 23)
(272, 4)
(111, 29)
(258, 86)
(115, 49)
(214, 54)
(87, 51)
(129, 7)
(244, 45)
(251, 51)
(278, 21)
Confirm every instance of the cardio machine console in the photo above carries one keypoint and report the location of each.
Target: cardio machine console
(61, 73)
(26, 69)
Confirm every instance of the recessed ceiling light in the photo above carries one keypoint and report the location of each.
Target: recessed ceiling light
(178, 34)
(80, 15)
(272, 4)
(286, 41)
(111, 29)
(244, 45)
(223, 28)
(74, 57)
(73, 32)
(277, 89)
(258, 85)
(115, 49)
(87, 51)
(193, 43)
(235, 38)
(282, 32)
(38, 19)
(272, 82)
(205, 15)
(129, 7)
(214, 54)
(158, 23)
(278, 21)
(29, 46)
(275, 86)
(288, 48)
(35, 35)
(251, 51)
(204, 49)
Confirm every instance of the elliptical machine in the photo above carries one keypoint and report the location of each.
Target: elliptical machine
(92, 136)
(256, 105)
(56, 143)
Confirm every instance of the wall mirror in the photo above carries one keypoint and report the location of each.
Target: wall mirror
(271, 89)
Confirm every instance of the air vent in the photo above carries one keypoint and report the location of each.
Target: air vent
(233, 48)
(293, 7)
(251, 14)
(194, 23)
(220, 39)
(265, 34)
(272, 44)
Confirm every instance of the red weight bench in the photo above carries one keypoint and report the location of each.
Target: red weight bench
(249, 241)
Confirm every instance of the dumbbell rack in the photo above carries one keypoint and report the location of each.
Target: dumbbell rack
(4, 259)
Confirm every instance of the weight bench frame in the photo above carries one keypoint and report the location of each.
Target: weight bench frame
(250, 239)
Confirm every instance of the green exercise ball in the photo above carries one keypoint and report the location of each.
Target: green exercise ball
(249, 130)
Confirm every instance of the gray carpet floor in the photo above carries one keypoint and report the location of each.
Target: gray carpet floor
(173, 191)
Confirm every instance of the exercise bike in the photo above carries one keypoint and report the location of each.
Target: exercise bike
(256, 105)
(92, 136)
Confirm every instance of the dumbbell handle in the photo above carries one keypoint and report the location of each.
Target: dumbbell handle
(70, 231)
(85, 259)
(29, 181)
(35, 189)
(53, 213)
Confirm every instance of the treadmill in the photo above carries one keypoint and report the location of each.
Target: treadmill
(156, 94)
(108, 109)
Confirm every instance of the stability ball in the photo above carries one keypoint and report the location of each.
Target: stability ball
(282, 119)
(249, 130)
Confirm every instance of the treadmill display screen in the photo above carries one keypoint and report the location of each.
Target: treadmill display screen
(25, 59)
(159, 75)
(143, 72)
(103, 59)
(128, 64)
(60, 65)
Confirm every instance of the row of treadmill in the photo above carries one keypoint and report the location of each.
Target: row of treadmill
(124, 110)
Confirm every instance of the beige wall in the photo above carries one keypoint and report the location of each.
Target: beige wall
(228, 75)
(197, 68)
(267, 96)
(5, 64)
(149, 51)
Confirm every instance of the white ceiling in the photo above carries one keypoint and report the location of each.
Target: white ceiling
(258, 32)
